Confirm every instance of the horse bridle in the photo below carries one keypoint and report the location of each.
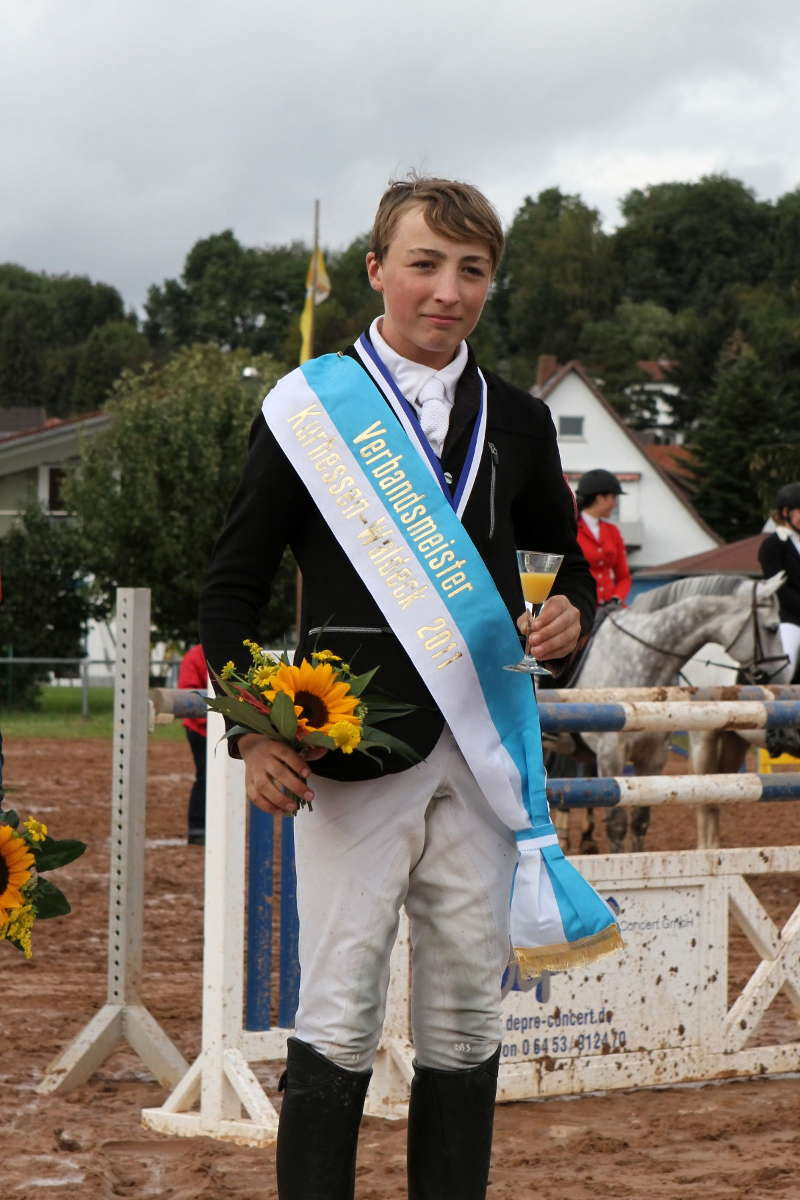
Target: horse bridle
(751, 671)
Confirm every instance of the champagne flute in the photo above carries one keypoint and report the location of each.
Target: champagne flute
(537, 575)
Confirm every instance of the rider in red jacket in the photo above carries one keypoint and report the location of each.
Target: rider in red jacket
(599, 539)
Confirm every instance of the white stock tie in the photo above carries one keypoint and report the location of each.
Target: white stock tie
(435, 410)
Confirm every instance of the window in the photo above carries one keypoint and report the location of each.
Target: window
(55, 502)
(570, 427)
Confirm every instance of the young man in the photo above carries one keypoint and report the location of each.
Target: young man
(433, 837)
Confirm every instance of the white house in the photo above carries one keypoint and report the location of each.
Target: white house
(656, 521)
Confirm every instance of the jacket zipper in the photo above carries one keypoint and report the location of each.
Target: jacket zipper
(495, 457)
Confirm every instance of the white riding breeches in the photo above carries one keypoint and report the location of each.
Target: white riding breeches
(790, 636)
(425, 838)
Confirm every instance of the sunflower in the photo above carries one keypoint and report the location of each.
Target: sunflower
(16, 861)
(319, 697)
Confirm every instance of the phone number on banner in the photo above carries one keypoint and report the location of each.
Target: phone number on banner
(564, 1043)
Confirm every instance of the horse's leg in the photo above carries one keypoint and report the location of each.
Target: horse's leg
(610, 752)
(705, 756)
(587, 843)
(648, 755)
(561, 822)
(731, 754)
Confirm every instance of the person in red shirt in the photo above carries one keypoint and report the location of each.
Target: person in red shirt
(599, 539)
(193, 673)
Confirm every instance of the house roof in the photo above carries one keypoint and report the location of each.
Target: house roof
(677, 461)
(47, 424)
(656, 369)
(51, 443)
(15, 418)
(731, 558)
(578, 368)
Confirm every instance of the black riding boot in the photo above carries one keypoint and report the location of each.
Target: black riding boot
(318, 1128)
(450, 1117)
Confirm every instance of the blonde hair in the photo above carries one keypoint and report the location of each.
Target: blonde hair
(453, 209)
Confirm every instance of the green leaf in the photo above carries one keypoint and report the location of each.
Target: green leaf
(238, 730)
(386, 710)
(360, 682)
(48, 900)
(283, 716)
(379, 737)
(227, 687)
(52, 853)
(242, 713)
(9, 818)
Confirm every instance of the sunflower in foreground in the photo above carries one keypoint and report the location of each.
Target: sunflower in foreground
(16, 861)
(320, 698)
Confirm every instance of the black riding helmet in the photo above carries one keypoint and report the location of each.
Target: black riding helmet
(601, 483)
(788, 496)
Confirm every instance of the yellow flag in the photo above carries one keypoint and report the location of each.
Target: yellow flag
(321, 292)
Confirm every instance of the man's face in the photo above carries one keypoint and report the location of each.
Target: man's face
(434, 289)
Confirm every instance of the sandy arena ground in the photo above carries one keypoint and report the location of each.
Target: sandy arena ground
(723, 1142)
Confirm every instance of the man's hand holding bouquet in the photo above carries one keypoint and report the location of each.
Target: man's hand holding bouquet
(285, 716)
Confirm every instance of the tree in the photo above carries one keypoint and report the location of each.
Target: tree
(773, 465)
(749, 408)
(612, 349)
(557, 274)
(46, 603)
(786, 243)
(107, 351)
(21, 375)
(151, 491)
(682, 244)
(230, 295)
(44, 323)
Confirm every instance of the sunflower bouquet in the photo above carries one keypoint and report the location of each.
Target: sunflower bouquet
(319, 703)
(26, 852)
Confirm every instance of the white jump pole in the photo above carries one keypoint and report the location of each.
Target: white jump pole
(220, 1082)
(123, 1018)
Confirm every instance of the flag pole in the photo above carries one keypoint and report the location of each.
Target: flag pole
(298, 583)
(314, 276)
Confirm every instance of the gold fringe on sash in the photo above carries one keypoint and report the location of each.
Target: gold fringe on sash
(533, 960)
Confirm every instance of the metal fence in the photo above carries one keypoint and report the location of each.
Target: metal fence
(83, 673)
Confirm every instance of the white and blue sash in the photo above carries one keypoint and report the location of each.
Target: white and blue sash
(376, 486)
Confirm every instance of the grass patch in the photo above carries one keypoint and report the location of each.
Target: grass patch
(59, 716)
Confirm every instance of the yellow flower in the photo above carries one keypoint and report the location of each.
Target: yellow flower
(263, 675)
(37, 830)
(258, 655)
(18, 928)
(16, 861)
(320, 699)
(228, 669)
(346, 736)
(325, 656)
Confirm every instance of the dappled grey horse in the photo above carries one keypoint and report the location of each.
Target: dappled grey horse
(647, 644)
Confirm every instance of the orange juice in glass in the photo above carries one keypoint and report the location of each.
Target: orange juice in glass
(537, 574)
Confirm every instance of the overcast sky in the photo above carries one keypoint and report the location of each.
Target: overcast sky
(133, 127)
